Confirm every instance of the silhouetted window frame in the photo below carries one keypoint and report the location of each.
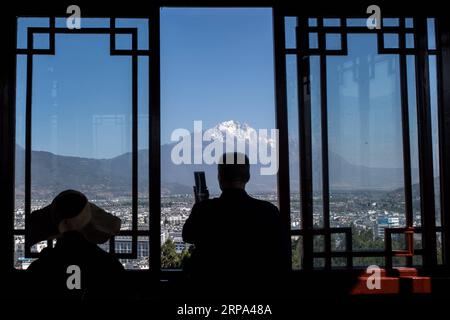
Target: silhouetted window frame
(303, 51)
(134, 53)
(151, 11)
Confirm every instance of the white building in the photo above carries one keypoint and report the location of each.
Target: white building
(386, 222)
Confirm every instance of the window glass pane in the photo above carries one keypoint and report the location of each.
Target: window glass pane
(316, 143)
(365, 139)
(217, 73)
(364, 262)
(289, 29)
(22, 26)
(319, 243)
(391, 22)
(333, 41)
(41, 41)
(435, 136)
(21, 69)
(85, 22)
(331, 22)
(409, 42)
(391, 40)
(143, 142)
(338, 262)
(313, 40)
(319, 263)
(431, 33)
(365, 142)
(338, 242)
(409, 23)
(142, 30)
(357, 22)
(293, 133)
(81, 126)
(20, 262)
(439, 245)
(312, 22)
(413, 139)
(297, 251)
(399, 261)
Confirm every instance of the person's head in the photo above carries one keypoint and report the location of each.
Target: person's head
(71, 211)
(67, 207)
(233, 171)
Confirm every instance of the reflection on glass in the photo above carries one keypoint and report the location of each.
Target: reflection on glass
(331, 22)
(391, 22)
(431, 33)
(85, 22)
(435, 136)
(312, 22)
(409, 23)
(81, 126)
(365, 142)
(142, 30)
(293, 133)
(316, 142)
(19, 212)
(409, 42)
(413, 139)
(313, 40)
(217, 68)
(391, 40)
(333, 41)
(357, 22)
(290, 23)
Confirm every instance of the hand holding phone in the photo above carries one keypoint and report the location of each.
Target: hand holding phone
(200, 189)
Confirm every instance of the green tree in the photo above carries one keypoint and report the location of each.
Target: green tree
(296, 253)
(169, 257)
(184, 256)
(363, 239)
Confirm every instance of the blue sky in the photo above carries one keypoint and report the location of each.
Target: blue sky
(216, 65)
(82, 96)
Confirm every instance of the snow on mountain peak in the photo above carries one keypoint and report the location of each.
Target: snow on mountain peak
(238, 131)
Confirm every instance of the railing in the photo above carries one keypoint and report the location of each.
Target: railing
(388, 253)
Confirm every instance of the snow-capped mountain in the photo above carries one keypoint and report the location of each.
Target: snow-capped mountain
(106, 177)
(241, 132)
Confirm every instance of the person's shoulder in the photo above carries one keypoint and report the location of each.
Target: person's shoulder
(206, 204)
(45, 257)
(114, 263)
(265, 205)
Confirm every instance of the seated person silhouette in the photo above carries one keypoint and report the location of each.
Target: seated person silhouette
(238, 241)
(76, 268)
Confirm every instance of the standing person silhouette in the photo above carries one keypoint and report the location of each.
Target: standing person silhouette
(238, 239)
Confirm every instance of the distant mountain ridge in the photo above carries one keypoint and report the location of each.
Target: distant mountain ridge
(105, 178)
